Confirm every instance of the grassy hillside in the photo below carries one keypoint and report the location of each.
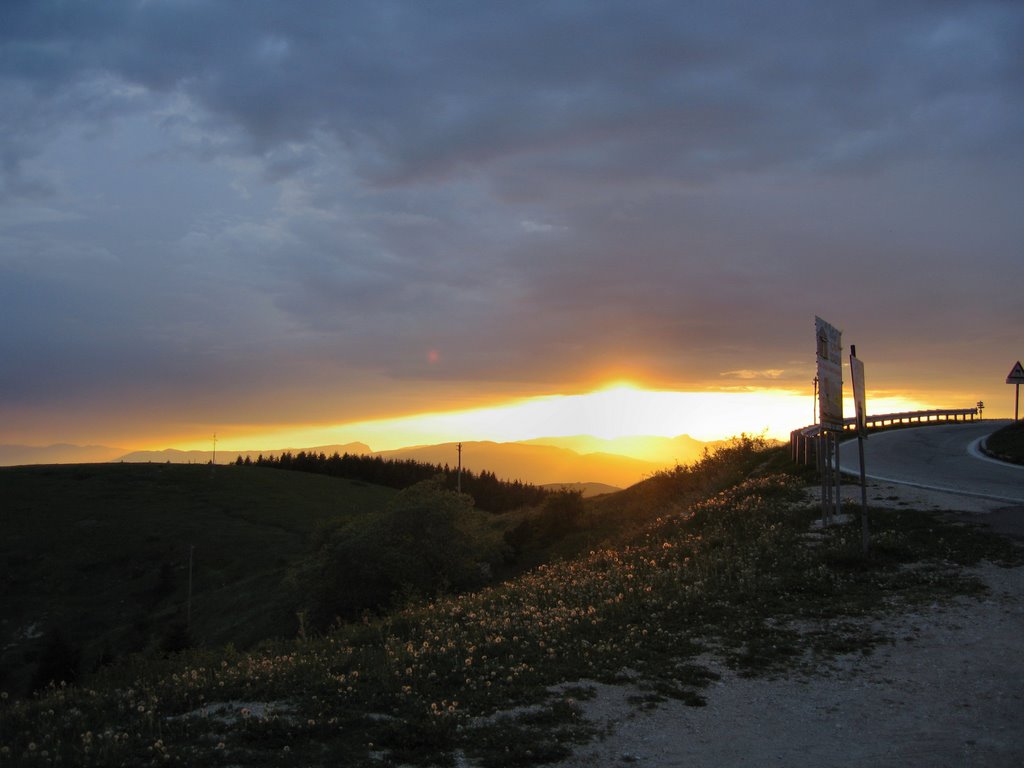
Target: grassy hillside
(1008, 442)
(496, 675)
(99, 555)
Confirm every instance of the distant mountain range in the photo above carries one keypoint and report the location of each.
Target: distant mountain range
(591, 464)
(61, 453)
(663, 451)
(537, 464)
(227, 457)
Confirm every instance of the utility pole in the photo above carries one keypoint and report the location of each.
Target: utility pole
(814, 402)
(458, 482)
(214, 448)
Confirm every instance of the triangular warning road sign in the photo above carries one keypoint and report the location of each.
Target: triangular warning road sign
(1016, 375)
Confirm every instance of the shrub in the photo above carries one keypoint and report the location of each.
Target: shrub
(59, 661)
(561, 514)
(428, 540)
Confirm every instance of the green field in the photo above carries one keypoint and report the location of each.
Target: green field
(100, 553)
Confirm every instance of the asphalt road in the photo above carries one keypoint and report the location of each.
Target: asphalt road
(942, 458)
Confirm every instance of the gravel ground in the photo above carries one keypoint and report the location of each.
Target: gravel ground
(947, 691)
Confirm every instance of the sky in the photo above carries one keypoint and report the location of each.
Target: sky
(278, 219)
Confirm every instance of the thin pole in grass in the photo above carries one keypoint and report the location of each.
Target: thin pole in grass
(827, 484)
(838, 475)
(823, 473)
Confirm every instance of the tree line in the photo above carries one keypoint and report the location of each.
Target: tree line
(489, 493)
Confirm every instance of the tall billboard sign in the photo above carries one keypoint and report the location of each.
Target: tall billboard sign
(830, 375)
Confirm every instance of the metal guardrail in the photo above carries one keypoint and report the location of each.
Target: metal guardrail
(803, 441)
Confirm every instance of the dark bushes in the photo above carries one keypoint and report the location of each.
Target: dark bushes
(429, 540)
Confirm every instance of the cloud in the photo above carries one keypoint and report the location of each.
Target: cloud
(746, 374)
(195, 194)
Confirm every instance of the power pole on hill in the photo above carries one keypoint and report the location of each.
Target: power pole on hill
(214, 448)
(458, 481)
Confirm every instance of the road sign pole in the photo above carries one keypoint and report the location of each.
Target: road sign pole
(823, 472)
(1016, 377)
(838, 480)
(864, 533)
(860, 400)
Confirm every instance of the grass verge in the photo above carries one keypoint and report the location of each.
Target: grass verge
(1008, 442)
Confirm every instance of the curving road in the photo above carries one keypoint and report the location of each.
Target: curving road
(942, 458)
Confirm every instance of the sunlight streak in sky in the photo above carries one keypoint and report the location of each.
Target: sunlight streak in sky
(619, 410)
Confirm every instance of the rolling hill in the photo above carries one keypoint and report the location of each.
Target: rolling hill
(100, 554)
(60, 453)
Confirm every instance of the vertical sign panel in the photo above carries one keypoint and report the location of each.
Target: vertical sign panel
(830, 375)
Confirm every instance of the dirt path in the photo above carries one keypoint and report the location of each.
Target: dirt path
(947, 691)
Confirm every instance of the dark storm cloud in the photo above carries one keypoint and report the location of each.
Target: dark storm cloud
(432, 86)
(521, 187)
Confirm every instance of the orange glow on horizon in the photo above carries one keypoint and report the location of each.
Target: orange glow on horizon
(619, 409)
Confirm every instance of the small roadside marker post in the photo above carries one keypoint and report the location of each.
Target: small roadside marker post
(1016, 377)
